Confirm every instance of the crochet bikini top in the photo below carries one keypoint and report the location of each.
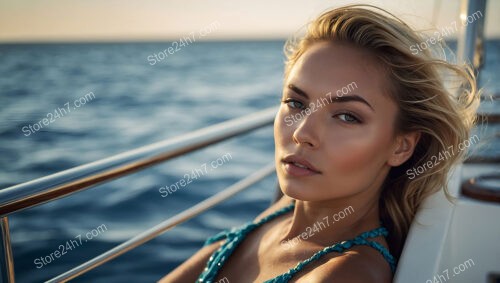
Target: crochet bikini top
(235, 236)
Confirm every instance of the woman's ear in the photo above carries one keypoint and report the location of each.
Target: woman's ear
(403, 148)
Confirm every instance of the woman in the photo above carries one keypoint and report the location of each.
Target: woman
(359, 110)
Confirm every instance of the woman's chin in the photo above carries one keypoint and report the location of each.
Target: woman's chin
(301, 193)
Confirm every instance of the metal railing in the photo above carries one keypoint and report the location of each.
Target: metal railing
(471, 39)
(77, 179)
(165, 225)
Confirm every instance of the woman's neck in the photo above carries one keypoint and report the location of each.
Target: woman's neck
(327, 222)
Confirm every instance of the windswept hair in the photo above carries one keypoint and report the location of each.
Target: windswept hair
(437, 98)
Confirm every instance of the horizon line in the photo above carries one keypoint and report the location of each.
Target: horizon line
(152, 40)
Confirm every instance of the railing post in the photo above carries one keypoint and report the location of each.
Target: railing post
(471, 41)
(6, 259)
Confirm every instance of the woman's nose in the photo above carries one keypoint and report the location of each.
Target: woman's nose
(306, 132)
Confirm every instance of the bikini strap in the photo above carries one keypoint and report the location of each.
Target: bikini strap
(340, 248)
(234, 238)
(248, 226)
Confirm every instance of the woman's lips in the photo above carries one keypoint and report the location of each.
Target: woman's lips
(297, 171)
(298, 167)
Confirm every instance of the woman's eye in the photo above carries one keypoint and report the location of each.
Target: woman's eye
(346, 117)
(294, 104)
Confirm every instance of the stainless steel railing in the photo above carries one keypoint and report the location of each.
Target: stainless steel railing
(65, 183)
(165, 225)
(7, 261)
(471, 39)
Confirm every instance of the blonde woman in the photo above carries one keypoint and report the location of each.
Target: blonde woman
(358, 111)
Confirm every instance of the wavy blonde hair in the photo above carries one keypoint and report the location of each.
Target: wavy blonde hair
(434, 97)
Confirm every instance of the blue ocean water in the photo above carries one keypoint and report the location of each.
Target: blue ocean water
(135, 103)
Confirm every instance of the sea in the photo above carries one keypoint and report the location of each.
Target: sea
(67, 104)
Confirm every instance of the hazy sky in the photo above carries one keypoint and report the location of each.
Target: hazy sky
(67, 20)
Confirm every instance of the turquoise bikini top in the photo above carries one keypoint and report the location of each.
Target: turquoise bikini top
(235, 236)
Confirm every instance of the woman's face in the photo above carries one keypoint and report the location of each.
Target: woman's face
(334, 129)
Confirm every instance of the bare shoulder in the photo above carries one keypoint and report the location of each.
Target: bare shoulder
(360, 264)
(192, 268)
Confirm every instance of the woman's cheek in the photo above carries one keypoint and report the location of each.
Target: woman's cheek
(354, 161)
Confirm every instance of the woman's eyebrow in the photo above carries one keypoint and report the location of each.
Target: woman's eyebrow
(331, 98)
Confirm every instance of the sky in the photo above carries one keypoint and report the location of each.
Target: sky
(152, 20)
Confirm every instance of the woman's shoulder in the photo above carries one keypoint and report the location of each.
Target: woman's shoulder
(347, 266)
(189, 270)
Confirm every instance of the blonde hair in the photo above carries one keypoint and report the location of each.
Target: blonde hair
(420, 84)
